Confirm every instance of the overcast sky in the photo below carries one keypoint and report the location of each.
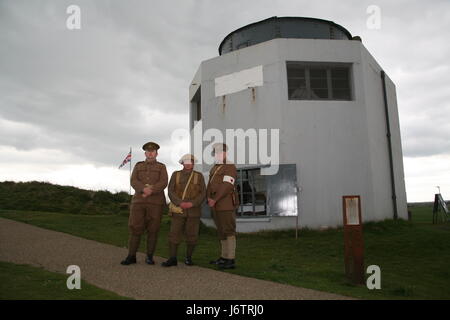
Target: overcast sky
(72, 102)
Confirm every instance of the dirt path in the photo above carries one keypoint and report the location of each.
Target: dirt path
(55, 251)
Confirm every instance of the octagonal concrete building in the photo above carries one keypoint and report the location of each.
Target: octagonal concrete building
(336, 114)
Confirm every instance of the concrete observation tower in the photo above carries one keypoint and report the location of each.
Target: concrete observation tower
(336, 112)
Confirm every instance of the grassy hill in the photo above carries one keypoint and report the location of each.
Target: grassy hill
(42, 196)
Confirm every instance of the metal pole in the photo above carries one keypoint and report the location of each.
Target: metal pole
(388, 134)
(131, 158)
(241, 184)
(296, 218)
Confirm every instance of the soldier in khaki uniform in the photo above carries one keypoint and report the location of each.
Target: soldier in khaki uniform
(190, 183)
(149, 179)
(223, 200)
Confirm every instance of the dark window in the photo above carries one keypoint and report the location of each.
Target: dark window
(340, 83)
(198, 111)
(296, 81)
(318, 81)
(196, 108)
(251, 186)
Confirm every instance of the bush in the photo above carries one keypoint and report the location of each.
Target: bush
(43, 196)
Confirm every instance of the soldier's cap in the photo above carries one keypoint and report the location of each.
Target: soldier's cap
(188, 157)
(220, 147)
(149, 146)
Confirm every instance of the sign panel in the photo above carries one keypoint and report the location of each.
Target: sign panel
(238, 81)
(352, 211)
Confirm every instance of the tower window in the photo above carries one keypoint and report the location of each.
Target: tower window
(251, 186)
(196, 108)
(316, 81)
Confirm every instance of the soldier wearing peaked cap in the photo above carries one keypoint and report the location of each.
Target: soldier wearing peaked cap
(223, 200)
(187, 191)
(148, 179)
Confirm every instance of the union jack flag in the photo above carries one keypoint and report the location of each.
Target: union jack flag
(126, 160)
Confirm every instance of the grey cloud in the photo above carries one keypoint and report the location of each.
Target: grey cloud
(83, 91)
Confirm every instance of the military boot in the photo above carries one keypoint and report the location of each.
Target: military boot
(188, 261)
(223, 245)
(218, 261)
(189, 252)
(227, 264)
(149, 259)
(128, 260)
(172, 261)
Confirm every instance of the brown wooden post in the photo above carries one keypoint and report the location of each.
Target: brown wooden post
(353, 239)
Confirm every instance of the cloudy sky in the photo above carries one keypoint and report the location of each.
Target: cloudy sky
(72, 102)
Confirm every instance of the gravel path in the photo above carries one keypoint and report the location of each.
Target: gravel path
(55, 251)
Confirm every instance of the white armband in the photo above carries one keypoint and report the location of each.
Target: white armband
(228, 179)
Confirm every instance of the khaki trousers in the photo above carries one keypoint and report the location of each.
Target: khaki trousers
(182, 225)
(226, 223)
(144, 217)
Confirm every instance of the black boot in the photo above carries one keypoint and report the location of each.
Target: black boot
(228, 264)
(218, 261)
(128, 260)
(149, 259)
(188, 261)
(172, 261)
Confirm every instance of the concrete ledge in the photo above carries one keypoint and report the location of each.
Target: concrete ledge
(248, 225)
(253, 220)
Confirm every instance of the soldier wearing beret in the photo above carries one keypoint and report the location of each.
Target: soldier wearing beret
(148, 179)
(223, 200)
(186, 190)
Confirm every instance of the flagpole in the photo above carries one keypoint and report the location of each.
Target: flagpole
(131, 157)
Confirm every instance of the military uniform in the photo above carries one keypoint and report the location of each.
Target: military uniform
(221, 188)
(146, 211)
(188, 222)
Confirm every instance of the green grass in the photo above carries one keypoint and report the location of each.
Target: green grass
(23, 282)
(43, 196)
(414, 257)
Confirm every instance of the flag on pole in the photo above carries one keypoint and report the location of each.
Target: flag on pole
(126, 160)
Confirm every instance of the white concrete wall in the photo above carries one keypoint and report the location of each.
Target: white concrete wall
(328, 138)
(379, 154)
(339, 147)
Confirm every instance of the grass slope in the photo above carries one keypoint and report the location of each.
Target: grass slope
(23, 282)
(41, 196)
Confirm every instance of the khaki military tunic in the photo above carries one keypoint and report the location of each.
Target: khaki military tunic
(153, 174)
(188, 222)
(221, 188)
(146, 213)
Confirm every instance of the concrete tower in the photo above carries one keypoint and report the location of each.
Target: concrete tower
(336, 112)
